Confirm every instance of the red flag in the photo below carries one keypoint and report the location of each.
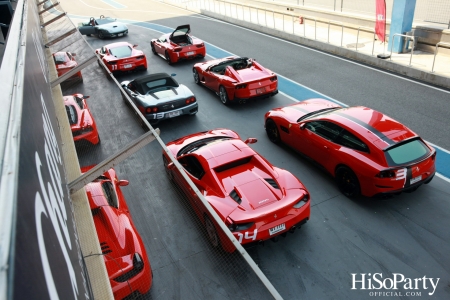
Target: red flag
(380, 22)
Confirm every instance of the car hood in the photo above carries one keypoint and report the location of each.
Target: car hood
(170, 94)
(113, 27)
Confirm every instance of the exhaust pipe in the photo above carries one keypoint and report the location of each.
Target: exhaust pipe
(292, 230)
(275, 239)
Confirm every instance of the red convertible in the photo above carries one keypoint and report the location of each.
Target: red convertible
(366, 151)
(81, 121)
(236, 79)
(178, 45)
(123, 251)
(65, 61)
(122, 57)
(254, 199)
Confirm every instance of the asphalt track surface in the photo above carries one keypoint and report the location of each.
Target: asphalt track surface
(406, 234)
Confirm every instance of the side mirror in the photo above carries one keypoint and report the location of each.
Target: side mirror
(302, 126)
(86, 97)
(73, 54)
(134, 46)
(123, 182)
(250, 141)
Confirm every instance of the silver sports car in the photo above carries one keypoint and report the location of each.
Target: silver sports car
(103, 27)
(159, 96)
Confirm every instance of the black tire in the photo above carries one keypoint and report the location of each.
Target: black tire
(223, 95)
(153, 48)
(272, 131)
(196, 76)
(88, 34)
(168, 58)
(100, 35)
(347, 182)
(211, 232)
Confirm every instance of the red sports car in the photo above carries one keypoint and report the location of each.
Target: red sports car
(124, 253)
(80, 118)
(178, 45)
(65, 61)
(366, 151)
(255, 200)
(236, 79)
(122, 57)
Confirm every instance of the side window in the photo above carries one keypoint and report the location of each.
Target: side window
(110, 193)
(348, 140)
(192, 165)
(132, 87)
(325, 129)
(69, 55)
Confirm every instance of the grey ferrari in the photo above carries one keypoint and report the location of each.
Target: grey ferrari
(103, 27)
(159, 96)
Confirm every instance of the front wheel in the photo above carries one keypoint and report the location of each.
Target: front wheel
(272, 131)
(223, 95)
(211, 232)
(101, 35)
(196, 76)
(153, 48)
(347, 182)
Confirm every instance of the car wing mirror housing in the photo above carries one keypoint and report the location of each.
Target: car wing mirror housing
(302, 126)
(123, 182)
(134, 46)
(251, 140)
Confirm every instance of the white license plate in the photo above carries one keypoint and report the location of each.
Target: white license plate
(415, 179)
(260, 90)
(127, 66)
(190, 53)
(174, 113)
(120, 34)
(276, 229)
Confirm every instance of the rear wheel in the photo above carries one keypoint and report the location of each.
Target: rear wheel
(272, 131)
(211, 232)
(169, 61)
(196, 77)
(347, 182)
(223, 95)
(153, 48)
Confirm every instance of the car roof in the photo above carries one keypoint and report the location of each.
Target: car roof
(378, 128)
(142, 80)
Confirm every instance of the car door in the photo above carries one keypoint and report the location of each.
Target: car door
(195, 172)
(317, 140)
(87, 28)
(213, 77)
(160, 46)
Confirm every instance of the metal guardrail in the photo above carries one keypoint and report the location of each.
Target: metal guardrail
(436, 50)
(406, 36)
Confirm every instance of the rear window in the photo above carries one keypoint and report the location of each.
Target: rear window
(406, 153)
(120, 52)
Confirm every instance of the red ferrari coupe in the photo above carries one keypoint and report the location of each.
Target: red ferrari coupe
(178, 45)
(236, 79)
(255, 200)
(81, 120)
(124, 253)
(65, 61)
(122, 57)
(366, 151)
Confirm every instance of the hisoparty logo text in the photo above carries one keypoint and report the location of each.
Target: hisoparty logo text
(376, 281)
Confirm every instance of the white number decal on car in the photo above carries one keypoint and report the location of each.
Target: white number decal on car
(247, 236)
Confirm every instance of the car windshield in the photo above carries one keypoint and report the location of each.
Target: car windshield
(121, 52)
(71, 114)
(60, 58)
(317, 112)
(104, 21)
(406, 153)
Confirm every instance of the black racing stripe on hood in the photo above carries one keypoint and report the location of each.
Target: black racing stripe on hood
(380, 135)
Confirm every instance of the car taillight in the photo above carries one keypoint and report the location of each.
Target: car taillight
(200, 45)
(302, 201)
(274, 78)
(190, 100)
(112, 62)
(241, 86)
(177, 49)
(140, 57)
(386, 174)
(237, 226)
(433, 157)
(150, 109)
